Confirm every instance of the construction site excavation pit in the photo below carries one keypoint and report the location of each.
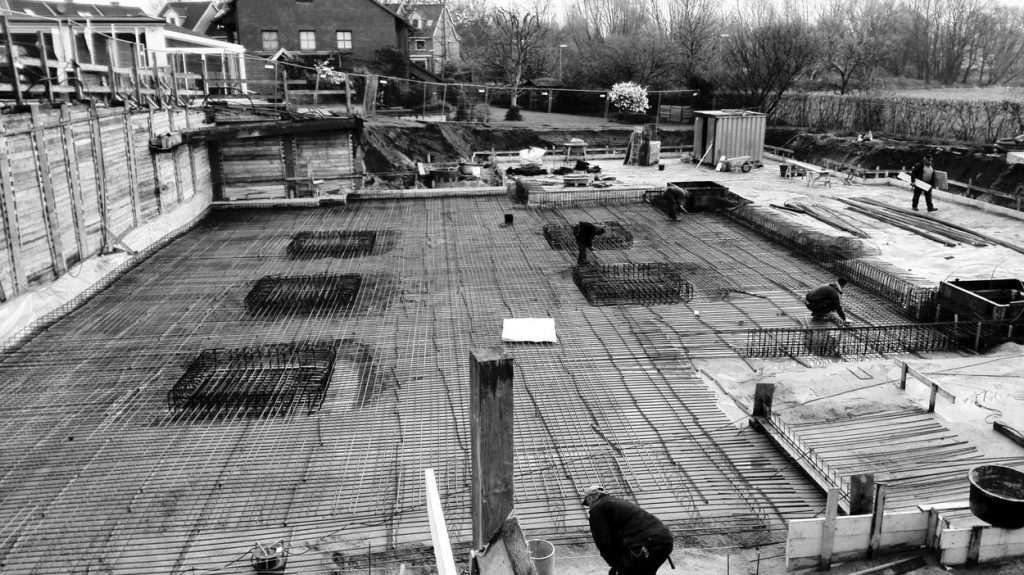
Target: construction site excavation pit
(89, 480)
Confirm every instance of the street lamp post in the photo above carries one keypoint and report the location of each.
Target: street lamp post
(560, 46)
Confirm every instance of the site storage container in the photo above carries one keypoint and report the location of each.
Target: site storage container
(729, 133)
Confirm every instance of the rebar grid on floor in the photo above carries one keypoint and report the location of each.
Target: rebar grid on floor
(641, 284)
(92, 474)
(916, 302)
(332, 244)
(261, 381)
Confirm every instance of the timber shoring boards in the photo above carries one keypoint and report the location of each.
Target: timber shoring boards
(96, 469)
(67, 174)
(919, 459)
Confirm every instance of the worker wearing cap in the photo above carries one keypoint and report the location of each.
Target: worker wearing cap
(631, 540)
(826, 299)
(584, 233)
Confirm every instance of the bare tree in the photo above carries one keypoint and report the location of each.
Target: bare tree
(696, 26)
(854, 37)
(517, 41)
(768, 49)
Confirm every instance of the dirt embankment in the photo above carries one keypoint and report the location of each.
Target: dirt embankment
(396, 145)
(977, 164)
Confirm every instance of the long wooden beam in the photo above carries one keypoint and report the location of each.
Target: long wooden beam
(259, 130)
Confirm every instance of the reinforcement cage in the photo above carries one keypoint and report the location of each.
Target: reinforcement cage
(616, 237)
(302, 294)
(640, 284)
(260, 381)
(878, 340)
(331, 244)
(913, 301)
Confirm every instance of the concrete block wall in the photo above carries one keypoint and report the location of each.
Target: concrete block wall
(72, 177)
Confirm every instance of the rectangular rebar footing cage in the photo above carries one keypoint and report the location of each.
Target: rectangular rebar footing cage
(259, 381)
(299, 294)
(331, 244)
(876, 340)
(641, 284)
(616, 237)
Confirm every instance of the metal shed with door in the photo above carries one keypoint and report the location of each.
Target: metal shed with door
(729, 133)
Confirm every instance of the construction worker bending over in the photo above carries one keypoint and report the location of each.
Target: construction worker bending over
(631, 540)
(584, 233)
(674, 199)
(827, 299)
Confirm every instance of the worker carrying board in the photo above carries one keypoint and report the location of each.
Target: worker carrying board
(631, 540)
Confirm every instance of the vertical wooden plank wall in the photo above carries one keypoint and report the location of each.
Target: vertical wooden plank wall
(67, 173)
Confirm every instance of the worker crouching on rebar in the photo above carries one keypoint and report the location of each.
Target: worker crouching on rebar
(631, 540)
(674, 199)
(584, 232)
(826, 299)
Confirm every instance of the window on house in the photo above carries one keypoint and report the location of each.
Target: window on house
(417, 23)
(269, 39)
(307, 40)
(343, 39)
(421, 44)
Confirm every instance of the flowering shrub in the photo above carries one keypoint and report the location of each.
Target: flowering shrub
(329, 75)
(629, 97)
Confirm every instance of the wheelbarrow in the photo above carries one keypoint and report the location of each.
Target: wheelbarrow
(741, 163)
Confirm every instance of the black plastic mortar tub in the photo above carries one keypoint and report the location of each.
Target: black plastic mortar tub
(997, 495)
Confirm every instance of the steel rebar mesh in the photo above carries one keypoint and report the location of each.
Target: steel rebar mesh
(876, 340)
(643, 284)
(255, 381)
(914, 301)
(332, 244)
(614, 401)
(616, 237)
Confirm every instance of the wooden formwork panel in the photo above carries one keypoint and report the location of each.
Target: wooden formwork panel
(57, 172)
(28, 199)
(120, 208)
(145, 175)
(85, 149)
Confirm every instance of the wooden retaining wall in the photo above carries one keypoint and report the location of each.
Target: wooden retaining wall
(278, 167)
(74, 178)
(948, 532)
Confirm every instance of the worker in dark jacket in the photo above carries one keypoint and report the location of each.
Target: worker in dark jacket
(584, 233)
(631, 540)
(923, 177)
(827, 299)
(674, 200)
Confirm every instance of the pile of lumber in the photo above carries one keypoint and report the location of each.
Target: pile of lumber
(946, 233)
(831, 217)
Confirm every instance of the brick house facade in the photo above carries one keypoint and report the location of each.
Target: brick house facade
(433, 43)
(355, 29)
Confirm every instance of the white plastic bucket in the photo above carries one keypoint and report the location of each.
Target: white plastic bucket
(543, 554)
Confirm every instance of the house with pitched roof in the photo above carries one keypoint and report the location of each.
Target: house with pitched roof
(87, 47)
(433, 43)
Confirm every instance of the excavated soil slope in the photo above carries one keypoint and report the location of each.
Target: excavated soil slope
(396, 145)
(974, 164)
